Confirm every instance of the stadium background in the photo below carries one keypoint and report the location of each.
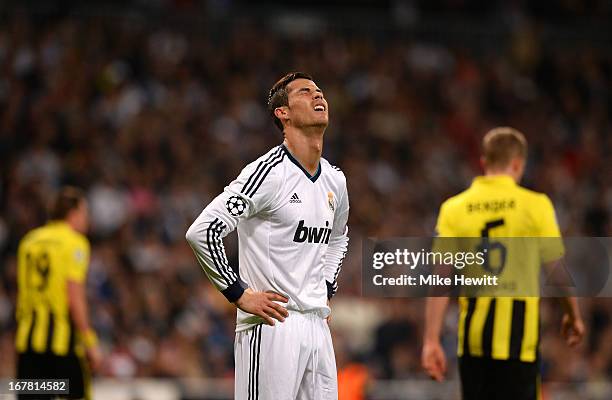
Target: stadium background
(153, 106)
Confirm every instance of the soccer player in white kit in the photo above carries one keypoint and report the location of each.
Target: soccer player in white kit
(291, 208)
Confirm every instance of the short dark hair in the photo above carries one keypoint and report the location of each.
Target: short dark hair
(66, 200)
(279, 96)
(501, 145)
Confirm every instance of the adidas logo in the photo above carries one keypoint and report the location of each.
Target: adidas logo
(295, 199)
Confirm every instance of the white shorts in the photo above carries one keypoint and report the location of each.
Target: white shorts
(292, 360)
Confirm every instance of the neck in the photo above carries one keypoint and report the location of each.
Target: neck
(305, 148)
(493, 173)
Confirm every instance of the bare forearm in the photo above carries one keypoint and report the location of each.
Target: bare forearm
(570, 306)
(435, 308)
(78, 306)
(77, 303)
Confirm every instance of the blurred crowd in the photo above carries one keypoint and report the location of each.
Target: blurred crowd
(154, 120)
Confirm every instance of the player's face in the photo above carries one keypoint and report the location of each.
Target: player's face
(307, 106)
(81, 217)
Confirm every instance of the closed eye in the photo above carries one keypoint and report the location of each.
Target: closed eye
(308, 90)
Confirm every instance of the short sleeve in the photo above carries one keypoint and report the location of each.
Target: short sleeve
(77, 260)
(443, 225)
(445, 235)
(547, 219)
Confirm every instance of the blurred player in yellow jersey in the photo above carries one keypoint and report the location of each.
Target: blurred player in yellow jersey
(499, 336)
(54, 339)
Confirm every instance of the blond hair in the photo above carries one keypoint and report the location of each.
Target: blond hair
(501, 145)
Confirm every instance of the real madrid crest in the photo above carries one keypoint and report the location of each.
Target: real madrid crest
(330, 201)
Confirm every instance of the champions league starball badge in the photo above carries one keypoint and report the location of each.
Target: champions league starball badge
(236, 205)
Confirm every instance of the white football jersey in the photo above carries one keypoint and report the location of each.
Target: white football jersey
(292, 233)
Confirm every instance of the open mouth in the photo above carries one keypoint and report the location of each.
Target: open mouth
(319, 108)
